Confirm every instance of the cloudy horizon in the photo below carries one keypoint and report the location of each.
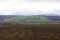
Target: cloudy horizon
(9, 7)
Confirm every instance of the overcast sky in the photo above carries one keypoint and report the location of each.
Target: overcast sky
(8, 7)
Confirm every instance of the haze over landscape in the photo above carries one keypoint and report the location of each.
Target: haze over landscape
(29, 7)
(29, 19)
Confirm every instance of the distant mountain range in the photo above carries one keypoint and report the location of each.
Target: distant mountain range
(30, 19)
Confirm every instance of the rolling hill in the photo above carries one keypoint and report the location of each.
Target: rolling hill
(29, 19)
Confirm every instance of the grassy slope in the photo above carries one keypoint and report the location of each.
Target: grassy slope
(22, 19)
(30, 19)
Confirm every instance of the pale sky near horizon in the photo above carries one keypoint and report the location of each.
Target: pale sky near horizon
(8, 7)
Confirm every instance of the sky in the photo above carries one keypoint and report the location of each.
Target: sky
(29, 7)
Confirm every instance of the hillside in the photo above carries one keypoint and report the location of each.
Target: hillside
(30, 32)
(29, 19)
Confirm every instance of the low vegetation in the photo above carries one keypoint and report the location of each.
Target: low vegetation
(15, 31)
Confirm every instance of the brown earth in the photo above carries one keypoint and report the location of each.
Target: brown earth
(29, 31)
